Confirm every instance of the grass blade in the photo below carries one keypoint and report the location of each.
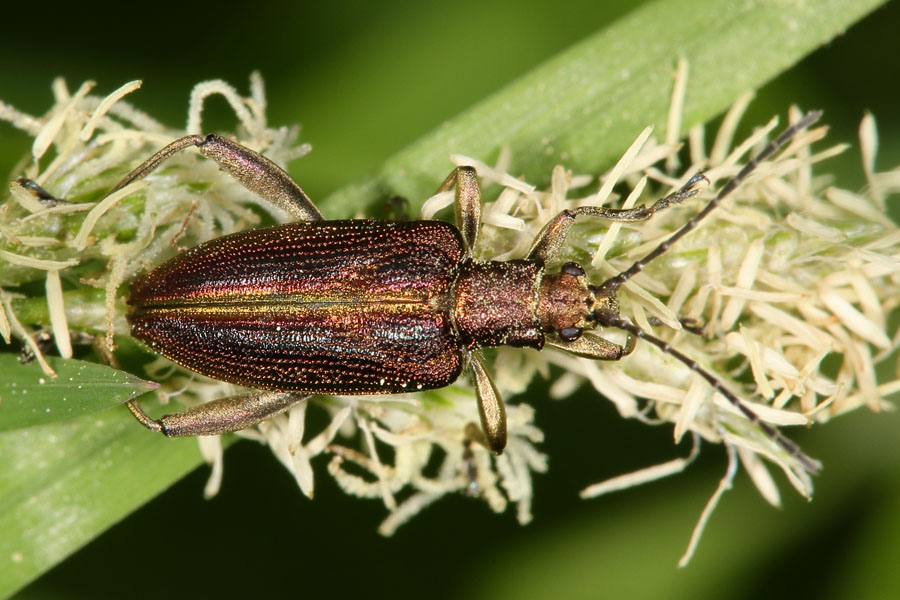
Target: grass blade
(29, 398)
(582, 107)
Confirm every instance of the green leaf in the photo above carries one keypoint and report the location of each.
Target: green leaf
(28, 397)
(583, 107)
(61, 485)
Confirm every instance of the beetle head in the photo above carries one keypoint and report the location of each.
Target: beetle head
(569, 304)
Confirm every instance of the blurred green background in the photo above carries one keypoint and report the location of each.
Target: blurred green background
(366, 79)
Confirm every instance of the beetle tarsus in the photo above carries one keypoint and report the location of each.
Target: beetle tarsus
(143, 419)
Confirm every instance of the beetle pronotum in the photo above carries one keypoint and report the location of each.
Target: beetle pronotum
(375, 307)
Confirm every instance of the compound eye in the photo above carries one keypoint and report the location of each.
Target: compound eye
(571, 268)
(570, 334)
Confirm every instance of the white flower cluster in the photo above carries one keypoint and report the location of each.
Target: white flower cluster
(786, 273)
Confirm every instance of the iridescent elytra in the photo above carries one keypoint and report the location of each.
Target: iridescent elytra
(360, 307)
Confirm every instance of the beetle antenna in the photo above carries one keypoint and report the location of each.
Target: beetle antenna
(811, 465)
(611, 285)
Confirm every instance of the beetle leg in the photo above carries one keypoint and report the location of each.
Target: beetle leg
(490, 406)
(467, 204)
(553, 235)
(396, 208)
(46, 198)
(592, 347)
(225, 415)
(249, 168)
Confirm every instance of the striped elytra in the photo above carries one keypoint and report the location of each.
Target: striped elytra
(334, 307)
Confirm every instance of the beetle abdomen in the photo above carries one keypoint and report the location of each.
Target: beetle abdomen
(344, 307)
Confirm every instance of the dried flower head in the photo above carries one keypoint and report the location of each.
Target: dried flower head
(787, 272)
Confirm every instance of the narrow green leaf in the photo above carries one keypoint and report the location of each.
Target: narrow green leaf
(62, 484)
(583, 107)
(28, 397)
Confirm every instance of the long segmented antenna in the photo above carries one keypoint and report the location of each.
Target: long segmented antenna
(611, 285)
(809, 464)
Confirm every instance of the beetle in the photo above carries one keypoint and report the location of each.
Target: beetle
(359, 307)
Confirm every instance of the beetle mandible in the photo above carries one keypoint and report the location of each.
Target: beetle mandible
(359, 307)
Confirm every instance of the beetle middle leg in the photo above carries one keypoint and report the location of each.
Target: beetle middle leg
(225, 415)
(490, 406)
(249, 168)
(467, 206)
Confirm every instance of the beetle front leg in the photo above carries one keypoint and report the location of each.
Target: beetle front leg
(490, 406)
(249, 168)
(593, 347)
(467, 203)
(553, 235)
(225, 415)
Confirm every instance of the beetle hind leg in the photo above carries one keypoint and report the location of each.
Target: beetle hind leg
(261, 176)
(249, 168)
(225, 415)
